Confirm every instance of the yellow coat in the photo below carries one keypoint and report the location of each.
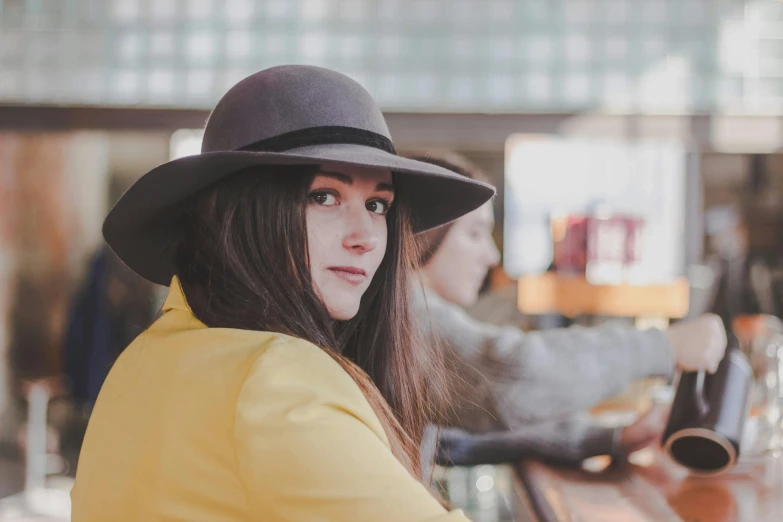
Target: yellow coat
(210, 424)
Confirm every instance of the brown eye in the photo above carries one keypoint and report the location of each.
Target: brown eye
(323, 198)
(378, 206)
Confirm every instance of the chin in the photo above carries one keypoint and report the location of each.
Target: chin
(468, 300)
(465, 298)
(342, 311)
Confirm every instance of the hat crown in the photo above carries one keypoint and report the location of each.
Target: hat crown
(289, 98)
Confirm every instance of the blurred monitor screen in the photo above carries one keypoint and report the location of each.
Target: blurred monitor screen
(548, 177)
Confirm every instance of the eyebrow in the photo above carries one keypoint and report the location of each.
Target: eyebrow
(348, 180)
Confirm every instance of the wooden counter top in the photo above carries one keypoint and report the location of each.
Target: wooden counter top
(659, 491)
(574, 295)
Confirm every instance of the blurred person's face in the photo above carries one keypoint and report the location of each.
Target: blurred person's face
(346, 234)
(461, 262)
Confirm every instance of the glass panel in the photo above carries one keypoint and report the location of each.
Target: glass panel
(12, 14)
(540, 49)
(654, 48)
(577, 89)
(162, 10)
(468, 49)
(502, 12)
(355, 9)
(464, 50)
(11, 85)
(616, 12)
(125, 85)
(161, 44)
(501, 89)
(237, 11)
(239, 45)
(461, 89)
(390, 47)
(537, 12)
(578, 12)
(11, 44)
(314, 9)
(351, 48)
(616, 48)
(617, 90)
(654, 12)
(501, 50)
(199, 84)
(125, 11)
(312, 47)
(277, 9)
(129, 47)
(538, 88)
(578, 48)
(274, 45)
(390, 88)
(161, 84)
(199, 9)
(200, 47)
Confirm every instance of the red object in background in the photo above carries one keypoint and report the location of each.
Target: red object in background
(579, 240)
(570, 244)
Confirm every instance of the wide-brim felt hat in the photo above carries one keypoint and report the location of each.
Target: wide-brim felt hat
(286, 115)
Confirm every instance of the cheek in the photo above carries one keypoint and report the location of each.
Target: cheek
(456, 263)
(383, 236)
(469, 252)
(379, 252)
(313, 240)
(318, 248)
(468, 266)
(322, 237)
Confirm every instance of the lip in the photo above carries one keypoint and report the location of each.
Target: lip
(350, 274)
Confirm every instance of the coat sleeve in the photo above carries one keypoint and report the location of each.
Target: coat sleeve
(309, 447)
(566, 441)
(520, 377)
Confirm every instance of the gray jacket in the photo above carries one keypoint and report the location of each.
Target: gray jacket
(535, 386)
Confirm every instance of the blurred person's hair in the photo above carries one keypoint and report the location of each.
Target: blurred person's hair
(430, 241)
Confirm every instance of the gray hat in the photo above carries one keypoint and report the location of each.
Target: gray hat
(287, 115)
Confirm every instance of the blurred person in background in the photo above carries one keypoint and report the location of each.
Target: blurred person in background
(112, 307)
(735, 293)
(535, 386)
(285, 379)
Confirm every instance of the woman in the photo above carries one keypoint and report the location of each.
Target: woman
(536, 384)
(284, 380)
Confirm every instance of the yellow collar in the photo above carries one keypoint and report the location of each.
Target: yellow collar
(176, 298)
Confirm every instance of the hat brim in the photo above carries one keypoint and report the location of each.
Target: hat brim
(142, 225)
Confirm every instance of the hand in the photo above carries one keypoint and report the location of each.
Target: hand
(698, 344)
(646, 431)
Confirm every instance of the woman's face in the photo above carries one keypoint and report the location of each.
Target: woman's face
(346, 234)
(460, 264)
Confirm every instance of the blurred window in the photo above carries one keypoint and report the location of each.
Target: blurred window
(692, 56)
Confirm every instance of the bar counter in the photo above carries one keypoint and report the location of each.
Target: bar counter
(653, 489)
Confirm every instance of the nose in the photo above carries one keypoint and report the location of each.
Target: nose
(361, 234)
(493, 254)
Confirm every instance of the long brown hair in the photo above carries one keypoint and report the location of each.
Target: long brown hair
(243, 263)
